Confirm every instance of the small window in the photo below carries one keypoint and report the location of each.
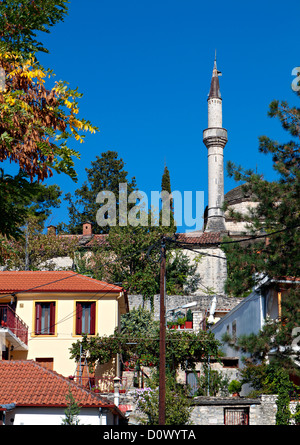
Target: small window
(85, 318)
(46, 362)
(45, 318)
(230, 362)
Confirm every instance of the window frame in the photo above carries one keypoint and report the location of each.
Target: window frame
(38, 318)
(78, 318)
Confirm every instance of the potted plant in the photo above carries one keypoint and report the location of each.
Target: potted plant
(181, 322)
(234, 388)
(189, 319)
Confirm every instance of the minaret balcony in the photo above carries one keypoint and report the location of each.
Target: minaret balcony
(215, 136)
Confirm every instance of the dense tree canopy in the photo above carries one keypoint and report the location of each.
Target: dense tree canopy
(21, 20)
(274, 250)
(275, 222)
(105, 174)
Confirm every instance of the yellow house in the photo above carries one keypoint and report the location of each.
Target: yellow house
(42, 313)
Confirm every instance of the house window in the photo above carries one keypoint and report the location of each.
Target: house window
(45, 318)
(46, 362)
(230, 362)
(192, 382)
(85, 318)
(236, 416)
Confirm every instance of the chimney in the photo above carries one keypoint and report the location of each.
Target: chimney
(51, 230)
(87, 229)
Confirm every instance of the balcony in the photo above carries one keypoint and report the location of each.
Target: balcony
(15, 329)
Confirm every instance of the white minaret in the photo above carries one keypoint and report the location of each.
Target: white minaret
(215, 138)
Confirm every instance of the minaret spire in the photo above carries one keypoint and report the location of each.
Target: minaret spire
(215, 139)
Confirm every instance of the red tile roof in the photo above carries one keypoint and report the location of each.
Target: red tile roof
(202, 238)
(27, 383)
(52, 281)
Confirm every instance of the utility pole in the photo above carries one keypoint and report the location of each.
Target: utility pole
(26, 248)
(162, 337)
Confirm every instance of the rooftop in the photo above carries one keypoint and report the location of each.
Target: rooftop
(27, 383)
(51, 281)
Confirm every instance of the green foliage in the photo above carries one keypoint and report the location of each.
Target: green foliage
(189, 315)
(167, 219)
(35, 249)
(20, 21)
(21, 199)
(275, 253)
(277, 212)
(72, 411)
(138, 320)
(296, 415)
(131, 256)
(105, 174)
(234, 386)
(183, 349)
(178, 405)
(283, 414)
(181, 275)
(211, 383)
(266, 378)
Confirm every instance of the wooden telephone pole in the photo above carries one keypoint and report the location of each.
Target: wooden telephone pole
(162, 338)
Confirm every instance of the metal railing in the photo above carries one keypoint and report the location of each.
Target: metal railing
(10, 320)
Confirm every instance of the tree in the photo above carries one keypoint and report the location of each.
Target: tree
(34, 250)
(21, 20)
(276, 217)
(183, 349)
(106, 174)
(273, 250)
(178, 405)
(20, 199)
(72, 411)
(36, 122)
(167, 213)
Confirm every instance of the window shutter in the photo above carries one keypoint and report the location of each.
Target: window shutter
(78, 318)
(38, 315)
(93, 319)
(52, 319)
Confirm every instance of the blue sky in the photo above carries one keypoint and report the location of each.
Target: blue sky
(144, 68)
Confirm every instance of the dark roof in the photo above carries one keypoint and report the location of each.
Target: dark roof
(214, 85)
(202, 400)
(238, 194)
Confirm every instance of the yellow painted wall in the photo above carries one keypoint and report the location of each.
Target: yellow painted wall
(57, 346)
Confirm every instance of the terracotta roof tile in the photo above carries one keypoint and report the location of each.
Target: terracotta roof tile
(52, 281)
(27, 383)
(203, 238)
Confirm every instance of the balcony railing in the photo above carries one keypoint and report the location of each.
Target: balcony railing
(10, 320)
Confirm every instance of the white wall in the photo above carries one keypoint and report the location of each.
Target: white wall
(55, 416)
(248, 316)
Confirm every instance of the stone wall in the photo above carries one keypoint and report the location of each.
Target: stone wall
(175, 301)
(211, 267)
(210, 411)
